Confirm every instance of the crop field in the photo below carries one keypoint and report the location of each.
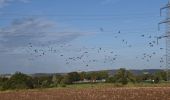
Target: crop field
(107, 93)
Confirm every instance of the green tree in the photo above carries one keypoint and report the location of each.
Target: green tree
(3, 81)
(82, 76)
(162, 75)
(59, 78)
(65, 80)
(42, 81)
(73, 76)
(111, 80)
(102, 75)
(19, 81)
(123, 76)
(56, 79)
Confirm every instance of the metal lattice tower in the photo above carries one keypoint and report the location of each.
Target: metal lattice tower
(167, 36)
(168, 41)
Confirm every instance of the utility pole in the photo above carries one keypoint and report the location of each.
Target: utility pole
(166, 35)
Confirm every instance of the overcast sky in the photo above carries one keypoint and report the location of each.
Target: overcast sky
(52, 35)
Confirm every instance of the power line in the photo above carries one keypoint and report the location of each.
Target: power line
(74, 32)
(80, 17)
(62, 15)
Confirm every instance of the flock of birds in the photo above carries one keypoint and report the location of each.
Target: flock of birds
(85, 55)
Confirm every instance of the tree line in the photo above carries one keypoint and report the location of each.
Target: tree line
(122, 76)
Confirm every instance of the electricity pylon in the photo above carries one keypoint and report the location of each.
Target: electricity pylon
(166, 36)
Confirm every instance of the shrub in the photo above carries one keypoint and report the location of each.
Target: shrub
(111, 80)
(18, 81)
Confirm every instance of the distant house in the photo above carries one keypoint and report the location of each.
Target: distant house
(89, 81)
(83, 81)
(6, 75)
(145, 73)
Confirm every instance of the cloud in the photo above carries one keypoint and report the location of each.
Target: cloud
(25, 1)
(35, 30)
(6, 2)
(104, 2)
(23, 31)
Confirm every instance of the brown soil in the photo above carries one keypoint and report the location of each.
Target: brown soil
(131, 93)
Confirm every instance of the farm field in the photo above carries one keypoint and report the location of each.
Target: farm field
(91, 93)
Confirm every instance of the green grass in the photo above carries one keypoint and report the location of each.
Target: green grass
(98, 85)
(88, 85)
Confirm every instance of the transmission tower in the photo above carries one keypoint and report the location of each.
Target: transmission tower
(166, 35)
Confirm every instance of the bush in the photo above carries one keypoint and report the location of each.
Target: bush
(118, 85)
(53, 85)
(63, 85)
(156, 79)
(110, 80)
(123, 76)
(66, 80)
(18, 81)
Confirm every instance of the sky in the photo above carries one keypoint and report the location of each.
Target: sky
(46, 36)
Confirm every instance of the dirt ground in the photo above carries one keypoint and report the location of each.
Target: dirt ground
(124, 93)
